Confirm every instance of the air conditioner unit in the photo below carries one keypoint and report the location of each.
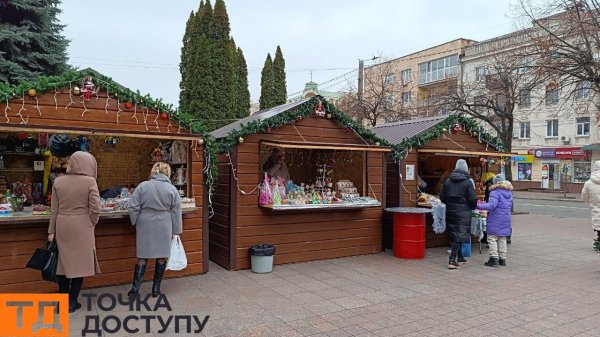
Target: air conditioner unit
(565, 139)
(515, 135)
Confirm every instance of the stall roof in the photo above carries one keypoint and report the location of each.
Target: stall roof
(325, 146)
(259, 115)
(395, 133)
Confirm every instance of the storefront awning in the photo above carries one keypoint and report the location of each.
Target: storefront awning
(467, 153)
(591, 147)
(325, 146)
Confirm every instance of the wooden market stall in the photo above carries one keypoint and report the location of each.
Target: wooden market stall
(325, 151)
(46, 120)
(426, 152)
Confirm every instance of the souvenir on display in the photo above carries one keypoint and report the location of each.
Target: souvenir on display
(320, 109)
(156, 154)
(265, 197)
(276, 194)
(88, 88)
(179, 180)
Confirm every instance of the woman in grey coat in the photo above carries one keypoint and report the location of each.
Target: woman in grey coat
(155, 211)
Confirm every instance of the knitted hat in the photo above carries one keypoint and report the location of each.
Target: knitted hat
(461, 165)
(498, 178)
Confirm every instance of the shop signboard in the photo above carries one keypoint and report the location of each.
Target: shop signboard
(523, 158)
(561, 153)
(545, 153)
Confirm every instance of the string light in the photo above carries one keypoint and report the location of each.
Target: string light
(156, 120)
(145, 113)
(22, 109)
(85, 109)
(37, 105)
(6, 111)
(135, 113)
(119, 109)
(107, 99)
(55, 100)
(70, 96)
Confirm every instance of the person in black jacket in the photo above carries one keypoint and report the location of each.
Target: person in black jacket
(458, 193)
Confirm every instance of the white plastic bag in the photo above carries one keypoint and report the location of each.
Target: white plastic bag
(177, 260)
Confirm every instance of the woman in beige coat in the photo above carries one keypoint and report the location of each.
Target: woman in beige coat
(155, 211)
(75, 211)
(591, 195)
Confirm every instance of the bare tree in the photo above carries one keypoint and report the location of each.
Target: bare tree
(566, 41)
(382, 98)
(493, 88)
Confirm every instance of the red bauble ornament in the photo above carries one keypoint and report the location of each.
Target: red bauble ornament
(300, 119)
(128, 105)
(163, 115)
(269, 129)
(348, 130)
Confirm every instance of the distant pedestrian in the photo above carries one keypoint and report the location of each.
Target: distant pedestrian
(591, 195)
(458, 193)
(499, 225)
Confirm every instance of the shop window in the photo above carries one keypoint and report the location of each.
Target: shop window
(525, 129)
(583, 90)
(583, 126)
(406, 76)
(525, 98)
(438, 69)
(524, 171)
(582, 169)
(552, 128)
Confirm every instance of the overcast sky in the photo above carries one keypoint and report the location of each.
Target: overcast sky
(138, 42)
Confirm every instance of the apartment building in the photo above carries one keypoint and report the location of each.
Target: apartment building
(553, 123)
(414, 84)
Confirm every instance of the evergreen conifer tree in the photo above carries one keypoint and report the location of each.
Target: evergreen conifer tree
(242, 93)
(31, 43)
(266, 84)
(279, 82)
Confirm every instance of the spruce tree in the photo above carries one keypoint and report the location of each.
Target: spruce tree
(31, 43)
(242, 93)
(279, 82)
(266, 85)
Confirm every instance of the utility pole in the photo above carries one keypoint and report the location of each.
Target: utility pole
(361, 70)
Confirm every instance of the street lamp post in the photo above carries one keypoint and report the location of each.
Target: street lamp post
(361, 76)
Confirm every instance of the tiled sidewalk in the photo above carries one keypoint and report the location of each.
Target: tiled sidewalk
(551, 287)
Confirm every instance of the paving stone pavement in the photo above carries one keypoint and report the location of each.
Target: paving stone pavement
(549, 288)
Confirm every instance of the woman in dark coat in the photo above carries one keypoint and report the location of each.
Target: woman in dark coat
(458, 193)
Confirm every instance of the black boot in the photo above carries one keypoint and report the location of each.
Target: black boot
(502, 262)
(138, 276)
(76, 284)
(159, 271)
(63, 285)
(492, 262)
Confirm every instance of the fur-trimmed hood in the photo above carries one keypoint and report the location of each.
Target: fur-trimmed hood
(505, 185)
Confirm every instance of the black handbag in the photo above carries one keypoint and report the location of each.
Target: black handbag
(49, 271)
(41, 256)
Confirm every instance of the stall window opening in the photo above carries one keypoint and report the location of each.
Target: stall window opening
(583, 126)
(552, 128)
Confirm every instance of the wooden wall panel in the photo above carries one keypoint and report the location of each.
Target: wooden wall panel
(220, 222)
(297, 236)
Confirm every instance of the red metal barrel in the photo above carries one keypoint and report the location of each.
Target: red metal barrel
(409, 235)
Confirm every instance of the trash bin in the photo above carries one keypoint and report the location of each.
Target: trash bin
(409, 231)
(261, 258)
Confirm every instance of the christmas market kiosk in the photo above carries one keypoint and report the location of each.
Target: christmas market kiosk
(425, 153)
(43, 122)
(301, 176)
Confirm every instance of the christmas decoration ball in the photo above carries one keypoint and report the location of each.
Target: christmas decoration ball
(31, 92)
(444, 129)
(128, 105)
(240, 140)
(269, 129)
(474, 133)
(347, 129)
(377, 143)
(329, 116)
(164, 115)
(201, 141)
(76, 90)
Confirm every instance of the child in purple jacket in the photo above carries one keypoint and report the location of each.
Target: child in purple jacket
(498, 219)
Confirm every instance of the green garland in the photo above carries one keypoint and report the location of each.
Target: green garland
(597, 245)
(292, 116)
(401, 150)
(50, 83)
